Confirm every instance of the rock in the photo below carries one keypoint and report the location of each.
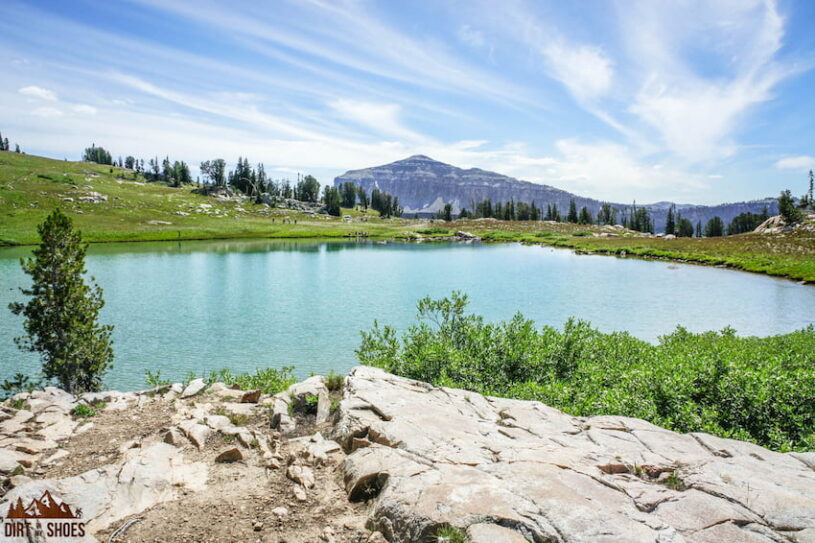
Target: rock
(230, 455)
(302, 475)
(59, 430)
(10, 461)
(443, 456)
(218, 422)
(195, 387)
(491, 533)
(280, 512)
(300, 493)
(251, 396)
(257, 526)
(110, 493)
(174, 437)
(19, 480)
(195, 432)
(467, 236)
(56, 456)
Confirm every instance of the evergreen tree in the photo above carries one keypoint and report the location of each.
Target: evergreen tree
(585, 216)
(684, 228)
(670, 224)
(2, 144)
(362, 196)
(607, 214)
(786, 207)
(572, 216)
(17, 149)
(714, 228)
(331, 197)
(811, 187)
(348, 191)
(446, 214)
(95, 154)
(61, 318)
(698, 229)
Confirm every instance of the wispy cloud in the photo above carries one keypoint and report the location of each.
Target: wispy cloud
(38, 92)
(803, 162)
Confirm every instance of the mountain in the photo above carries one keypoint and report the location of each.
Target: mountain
(424, 186)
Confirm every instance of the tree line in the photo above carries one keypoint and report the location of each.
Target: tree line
(5, 145)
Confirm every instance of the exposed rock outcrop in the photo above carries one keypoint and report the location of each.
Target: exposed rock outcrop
(403, 457)
(427, 456)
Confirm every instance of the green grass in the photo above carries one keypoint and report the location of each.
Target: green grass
(748, 388)
(32, 186)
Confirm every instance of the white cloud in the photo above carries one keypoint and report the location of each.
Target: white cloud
(585, 70)
(803, 162)
(47, 112)
(696, 115)
(84, 109)
(38, 92)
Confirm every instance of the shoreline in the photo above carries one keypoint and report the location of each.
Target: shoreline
(559, 243)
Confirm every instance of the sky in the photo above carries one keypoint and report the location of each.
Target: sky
(703, 101)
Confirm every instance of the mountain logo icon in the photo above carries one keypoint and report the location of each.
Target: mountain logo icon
(44, 507)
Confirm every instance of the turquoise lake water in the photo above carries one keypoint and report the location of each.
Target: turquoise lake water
(199, 306)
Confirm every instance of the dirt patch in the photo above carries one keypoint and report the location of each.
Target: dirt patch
(239, 505)
(102, 443)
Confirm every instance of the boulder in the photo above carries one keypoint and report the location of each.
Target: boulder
(510, 470)
(195, 387)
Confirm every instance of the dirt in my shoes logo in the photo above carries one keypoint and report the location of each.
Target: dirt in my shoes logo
(43, 517)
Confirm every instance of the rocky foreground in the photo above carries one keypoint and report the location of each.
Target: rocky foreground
(387, 459)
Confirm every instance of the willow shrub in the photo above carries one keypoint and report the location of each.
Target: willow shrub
(756, 389)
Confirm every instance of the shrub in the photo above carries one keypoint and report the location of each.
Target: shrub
(83, 411)
(756, 389)
(334, 381)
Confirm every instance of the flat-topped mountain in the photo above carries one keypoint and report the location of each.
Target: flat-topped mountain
(424, 185)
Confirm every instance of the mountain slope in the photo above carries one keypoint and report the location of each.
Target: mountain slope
(424, 185)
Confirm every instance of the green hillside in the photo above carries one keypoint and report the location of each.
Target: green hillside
(31, 186)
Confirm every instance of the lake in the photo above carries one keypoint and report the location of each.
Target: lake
(199, 306)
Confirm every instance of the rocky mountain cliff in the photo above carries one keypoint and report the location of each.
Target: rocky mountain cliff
(424, 186)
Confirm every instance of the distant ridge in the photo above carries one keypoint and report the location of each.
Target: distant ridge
(424, 186)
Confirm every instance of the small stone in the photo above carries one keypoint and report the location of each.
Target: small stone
(300, 493)
(173, 436)
(302, 475)
(228, 456)
(280, 511)
(251, 396)
(257, 526)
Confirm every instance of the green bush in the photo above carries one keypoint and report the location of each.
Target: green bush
(756, 389)
(268, 380)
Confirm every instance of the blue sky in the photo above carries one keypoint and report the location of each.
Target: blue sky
(692, 101)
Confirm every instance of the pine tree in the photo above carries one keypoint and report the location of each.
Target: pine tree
(714, 228)
(670, 224)
(585, 216)
(698, 229)
(811, 187)
(61, 318)
(572, 216)
(2, 145)
(786, 207)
